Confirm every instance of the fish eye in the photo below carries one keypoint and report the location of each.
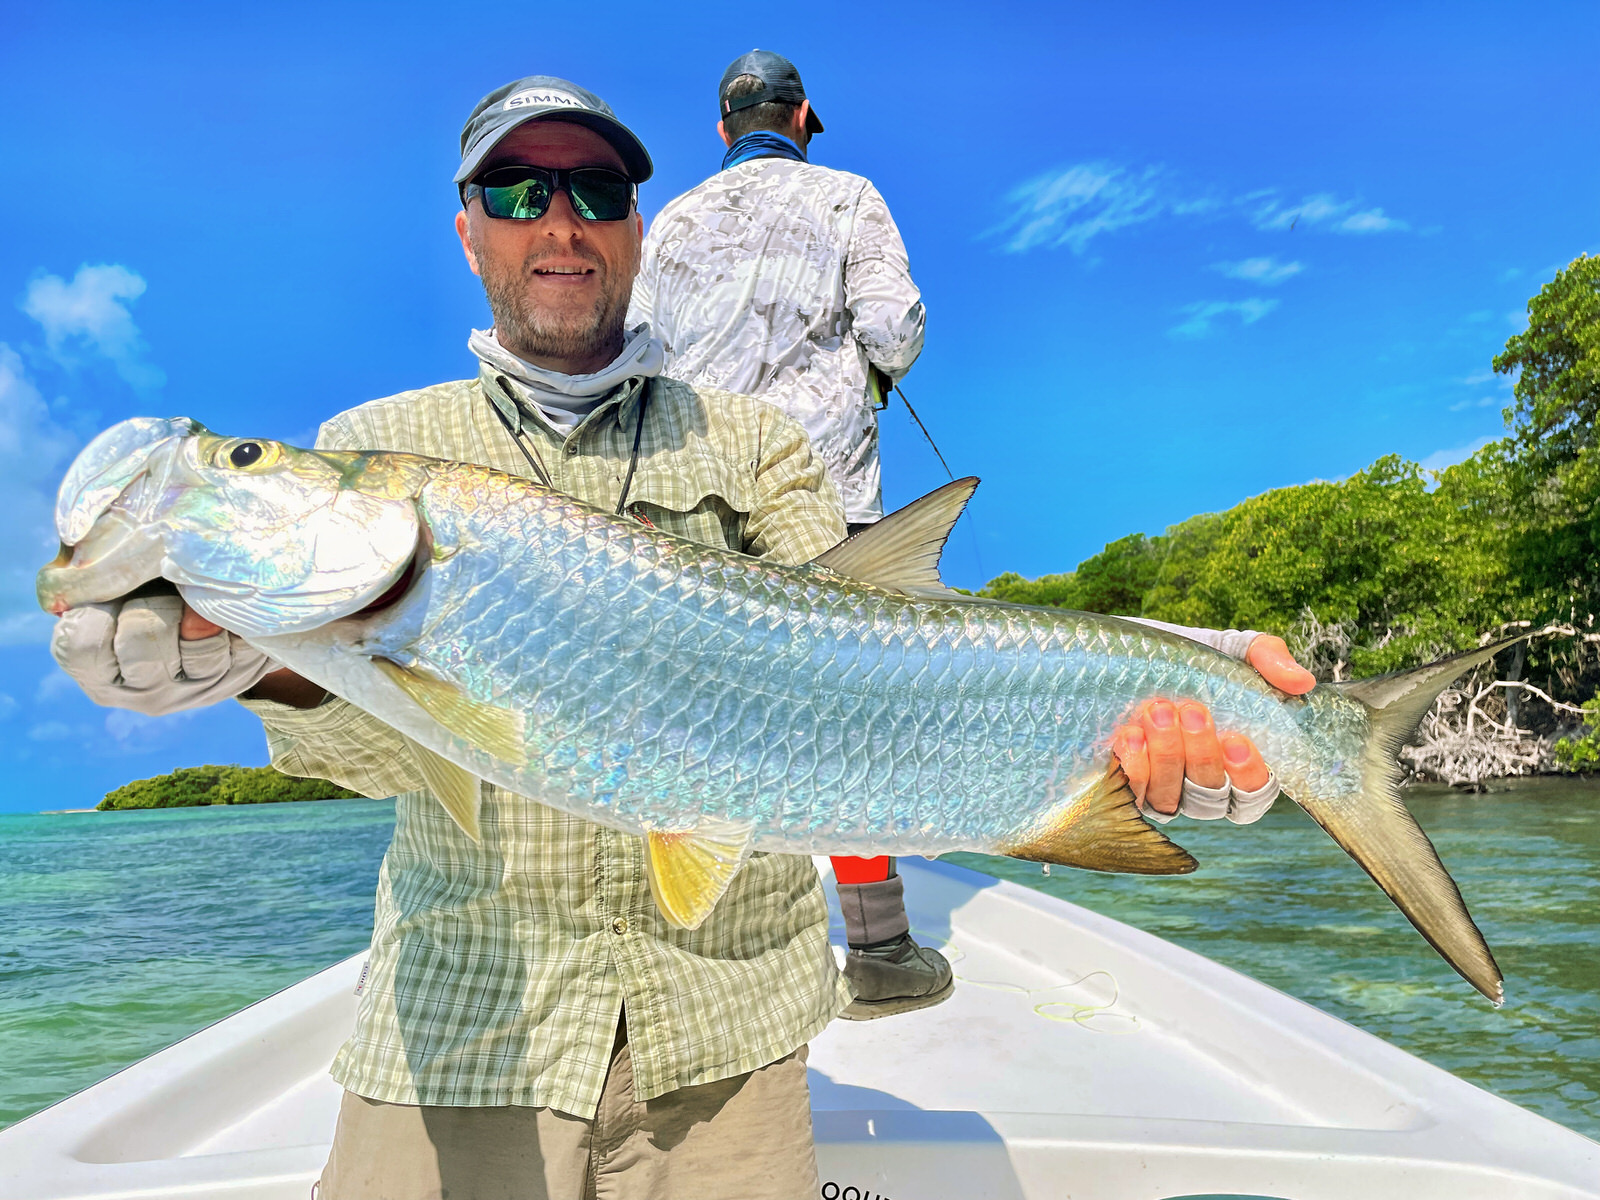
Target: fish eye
(246, 455)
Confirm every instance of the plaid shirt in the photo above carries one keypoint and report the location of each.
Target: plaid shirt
(499, 970)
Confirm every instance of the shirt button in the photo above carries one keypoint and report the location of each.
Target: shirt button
(620, 925)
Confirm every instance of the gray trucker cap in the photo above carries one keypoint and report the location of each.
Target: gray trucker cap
(777, 73)
(503, 109)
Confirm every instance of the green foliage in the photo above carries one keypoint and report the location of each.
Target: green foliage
(1407, 564)
(1116, 580)
(1581, 752)
(1113, 581)
(192, 787)
(1556, 461)
(1378, 552)
(1048, 591)
(1189, 546)
(1557, 361)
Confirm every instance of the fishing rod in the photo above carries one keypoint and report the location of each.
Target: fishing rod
(924, 429)
(882, 397)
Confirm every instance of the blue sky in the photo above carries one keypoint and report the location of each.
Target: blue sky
(1173, 255)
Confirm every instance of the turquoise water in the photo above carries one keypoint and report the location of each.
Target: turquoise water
(122, 932)
(1282, 903)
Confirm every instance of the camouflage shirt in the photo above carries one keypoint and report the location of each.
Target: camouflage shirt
(785, 280)
(499, 969)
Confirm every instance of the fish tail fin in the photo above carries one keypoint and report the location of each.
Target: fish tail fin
(1101, 829)
(1380, 832)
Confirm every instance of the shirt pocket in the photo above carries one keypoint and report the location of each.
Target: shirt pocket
(697, 496)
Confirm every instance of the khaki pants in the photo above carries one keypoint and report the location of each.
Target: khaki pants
(745, 1138)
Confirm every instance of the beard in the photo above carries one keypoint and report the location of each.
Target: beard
(535, 332)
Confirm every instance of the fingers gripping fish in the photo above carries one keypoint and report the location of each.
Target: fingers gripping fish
(713, 703)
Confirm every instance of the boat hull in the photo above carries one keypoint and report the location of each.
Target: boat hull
(1078, 1058)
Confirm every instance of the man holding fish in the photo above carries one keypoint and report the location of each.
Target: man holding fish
(532, 1024)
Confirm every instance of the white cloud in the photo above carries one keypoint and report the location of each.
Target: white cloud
(1259, 270)
(1369, 222)
(1072, 205)
(8, 705)
(1201, 315)
(133, 732)
(1440, 459)
(54, 686)
(92, 312)
(52, 731)
(34, 451)
(1322, 210)
(1481, 402)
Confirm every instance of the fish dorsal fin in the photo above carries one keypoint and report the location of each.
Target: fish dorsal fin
(901, 552)
(456, 788)
(487, 727)
(690, 871)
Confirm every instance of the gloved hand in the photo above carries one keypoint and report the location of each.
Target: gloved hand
(1211, 803)
(127, 654)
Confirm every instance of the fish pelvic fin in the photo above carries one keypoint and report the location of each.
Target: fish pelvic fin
(1384, 838)
(487, 727)
(1101, 829)
(690, 871)
(456, 788)
(901, 552)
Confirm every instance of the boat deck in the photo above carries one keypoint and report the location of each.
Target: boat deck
(1077, 1058)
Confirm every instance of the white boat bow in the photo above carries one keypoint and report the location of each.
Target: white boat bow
(1079, 1058)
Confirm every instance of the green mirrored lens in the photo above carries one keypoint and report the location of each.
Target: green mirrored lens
(525, 200)
(600, 195)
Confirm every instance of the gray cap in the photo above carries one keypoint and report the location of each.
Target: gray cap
(781, 79)
(503, 109)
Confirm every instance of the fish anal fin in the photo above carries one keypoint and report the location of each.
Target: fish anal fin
(487, 727)
(1101, 829)
(456, 788)
(901, 552)
(690, 871)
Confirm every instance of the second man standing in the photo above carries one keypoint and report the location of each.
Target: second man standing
(785, 280)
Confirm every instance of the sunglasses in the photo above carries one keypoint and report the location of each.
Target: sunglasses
(519, 193)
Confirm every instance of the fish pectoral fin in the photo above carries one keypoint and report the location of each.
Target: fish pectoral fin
(901, 552)
(457, 788)
(690, 871)
(1102, 830)
(487, 727)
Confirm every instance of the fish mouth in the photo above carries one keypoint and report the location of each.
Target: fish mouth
(118, 555)
(109, 549)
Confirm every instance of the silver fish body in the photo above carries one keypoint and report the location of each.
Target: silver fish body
(677, 690)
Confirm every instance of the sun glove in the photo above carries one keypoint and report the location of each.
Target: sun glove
(127, 654)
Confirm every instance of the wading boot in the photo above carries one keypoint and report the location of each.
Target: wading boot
(888, 972)
(895, 977)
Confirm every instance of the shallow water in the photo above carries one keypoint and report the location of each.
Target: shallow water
(1282, 903)
(122, 932)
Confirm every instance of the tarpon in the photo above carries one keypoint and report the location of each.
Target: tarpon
(713, 703)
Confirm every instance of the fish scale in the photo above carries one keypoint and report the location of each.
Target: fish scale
(1000, 667)
(714, 703)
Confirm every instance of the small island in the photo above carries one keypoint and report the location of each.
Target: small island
(194, 787)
